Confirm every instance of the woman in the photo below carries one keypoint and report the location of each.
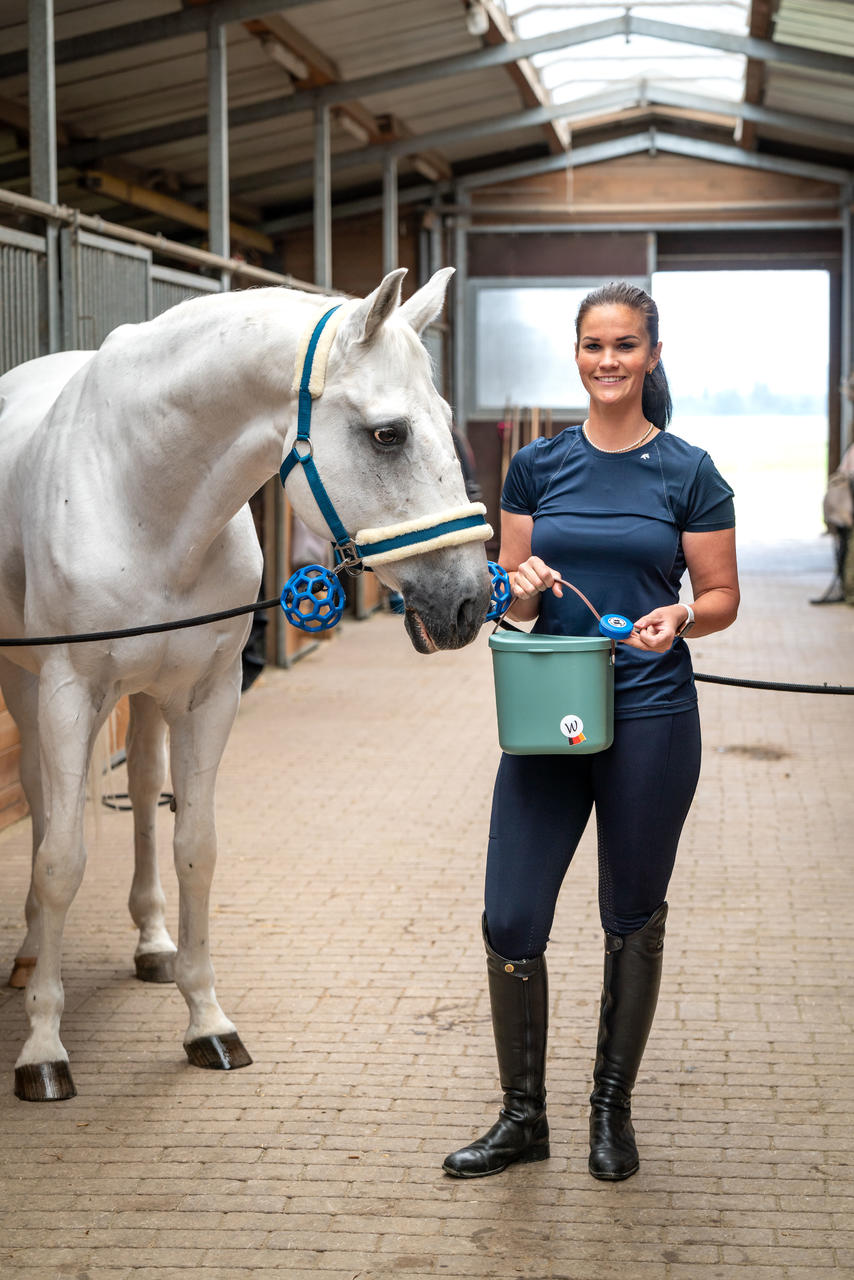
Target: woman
(620, 509)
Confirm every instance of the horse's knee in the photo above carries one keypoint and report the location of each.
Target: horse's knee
(57, 873)
(195, 851)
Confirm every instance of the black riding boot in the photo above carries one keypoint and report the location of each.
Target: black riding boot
(518, 993)
(629, 996)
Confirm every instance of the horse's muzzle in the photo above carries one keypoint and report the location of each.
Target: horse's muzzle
(449, 620)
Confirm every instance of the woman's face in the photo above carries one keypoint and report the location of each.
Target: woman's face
(614, 355)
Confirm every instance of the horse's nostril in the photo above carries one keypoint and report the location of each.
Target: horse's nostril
(467, 614)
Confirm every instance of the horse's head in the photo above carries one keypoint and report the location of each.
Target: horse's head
(382, 444)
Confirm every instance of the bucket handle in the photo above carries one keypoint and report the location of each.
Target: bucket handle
(508, 626)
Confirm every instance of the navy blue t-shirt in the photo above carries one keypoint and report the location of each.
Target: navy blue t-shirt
(612, 524)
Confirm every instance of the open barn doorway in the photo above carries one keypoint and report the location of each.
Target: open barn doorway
(746, 353)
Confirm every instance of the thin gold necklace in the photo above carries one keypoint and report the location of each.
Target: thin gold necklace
(637, 443)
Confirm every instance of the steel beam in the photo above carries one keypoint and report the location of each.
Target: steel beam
(461, 379)
(699, 149)
(390, 214)
(596, 153)
(402, 147)
(322, 201)
(423, 73)
(748, 46)
(846, 421)
(197, 18)
(344, 91)
(692, 224)
(662, 95)
(619, 100)
(43, 169)
(168, 26)
(593, 154)
(218, 193)
(353, 208)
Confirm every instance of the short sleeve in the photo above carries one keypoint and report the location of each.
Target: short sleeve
(518, 494)
(709, 504)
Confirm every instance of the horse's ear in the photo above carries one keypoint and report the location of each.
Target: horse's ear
(426, 304)
(364, 321)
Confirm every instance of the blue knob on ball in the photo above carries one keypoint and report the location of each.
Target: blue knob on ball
(313, 599)
(500, 600)
(615, 626)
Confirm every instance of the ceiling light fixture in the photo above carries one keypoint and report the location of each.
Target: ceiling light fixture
(477, 19)
(284, 58)
(426, 169)
(352, 126)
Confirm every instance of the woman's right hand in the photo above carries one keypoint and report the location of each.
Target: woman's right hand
(533, 577)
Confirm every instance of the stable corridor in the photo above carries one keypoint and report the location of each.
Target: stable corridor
(353, 806)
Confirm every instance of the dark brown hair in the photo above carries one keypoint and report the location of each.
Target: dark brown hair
(657, 405)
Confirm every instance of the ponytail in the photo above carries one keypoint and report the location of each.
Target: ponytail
(656, 403)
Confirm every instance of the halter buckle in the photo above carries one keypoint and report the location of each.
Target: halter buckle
(347, 558)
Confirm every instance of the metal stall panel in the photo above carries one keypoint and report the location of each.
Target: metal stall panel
(22, 284)
(169, 287)
(105, 283)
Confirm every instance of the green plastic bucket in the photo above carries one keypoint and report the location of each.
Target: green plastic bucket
(554, 694)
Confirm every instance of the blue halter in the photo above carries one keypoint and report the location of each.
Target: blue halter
(349, 553)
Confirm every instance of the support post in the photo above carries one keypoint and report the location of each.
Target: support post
(322, 199)
(219, 235)
(43, 175)
(390, 214)
(437, 253)
(651, 255)
(846, 417)
(461, 354)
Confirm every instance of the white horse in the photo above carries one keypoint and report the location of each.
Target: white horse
(124, 478)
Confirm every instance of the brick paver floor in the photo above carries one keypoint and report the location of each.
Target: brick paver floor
(352, 812)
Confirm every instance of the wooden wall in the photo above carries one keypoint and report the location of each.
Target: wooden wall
(357, 260)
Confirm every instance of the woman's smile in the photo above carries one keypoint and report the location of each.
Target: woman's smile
(613, 354)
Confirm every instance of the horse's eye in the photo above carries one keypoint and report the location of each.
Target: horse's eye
(386, 435)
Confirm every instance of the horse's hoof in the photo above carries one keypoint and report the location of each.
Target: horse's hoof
(219, 1053)
(156, 966)
(44, 1082)
(21, 970)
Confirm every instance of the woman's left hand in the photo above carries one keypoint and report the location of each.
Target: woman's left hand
(656, 631)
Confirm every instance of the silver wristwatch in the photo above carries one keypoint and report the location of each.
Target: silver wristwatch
(688, 624)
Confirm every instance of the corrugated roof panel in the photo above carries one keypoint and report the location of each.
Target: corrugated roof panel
(816, 24)
(123, 93)
(365, 37)
(807, 93)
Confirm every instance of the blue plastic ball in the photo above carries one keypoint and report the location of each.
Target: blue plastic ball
(501, 598)
(313, 599)
(615, 626)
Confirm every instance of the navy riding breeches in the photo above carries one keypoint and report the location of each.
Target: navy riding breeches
(641, 789)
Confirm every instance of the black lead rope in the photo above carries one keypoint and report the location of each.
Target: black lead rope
(88, 637)
(182, 623)
(770, 684)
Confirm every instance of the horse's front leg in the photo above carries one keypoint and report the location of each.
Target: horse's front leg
(146, 754)
(198, 738)
(21, 691)
(67, 724)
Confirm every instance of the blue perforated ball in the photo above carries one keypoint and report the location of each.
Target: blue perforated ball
(313, 599)
(500, 600)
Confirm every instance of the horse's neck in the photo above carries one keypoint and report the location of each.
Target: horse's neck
(204, 403)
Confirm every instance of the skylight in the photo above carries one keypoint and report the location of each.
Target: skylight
(616, 64)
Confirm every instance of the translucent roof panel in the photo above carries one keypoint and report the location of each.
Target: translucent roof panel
(597, 66)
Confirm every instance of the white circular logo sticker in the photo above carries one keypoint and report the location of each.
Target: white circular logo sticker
(572, 727)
